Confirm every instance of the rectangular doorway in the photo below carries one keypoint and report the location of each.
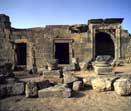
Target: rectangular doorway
(21, 53)
(62, 53)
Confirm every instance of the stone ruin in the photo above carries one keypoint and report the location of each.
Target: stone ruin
(34, 49)
(56, 50)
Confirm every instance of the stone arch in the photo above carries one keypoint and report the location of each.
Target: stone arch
(104, 44)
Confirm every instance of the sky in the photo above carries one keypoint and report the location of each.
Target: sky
(38, 13)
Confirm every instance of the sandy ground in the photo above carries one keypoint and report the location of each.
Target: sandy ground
(86, 100)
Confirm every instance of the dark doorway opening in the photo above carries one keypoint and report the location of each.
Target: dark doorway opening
(21, 53)
(104, 44)
(62, 53)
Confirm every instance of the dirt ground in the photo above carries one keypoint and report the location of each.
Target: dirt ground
(86, 100)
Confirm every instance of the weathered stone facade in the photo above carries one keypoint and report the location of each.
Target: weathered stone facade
(39, 46)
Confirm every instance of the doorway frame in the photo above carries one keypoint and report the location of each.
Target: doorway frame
(18, 49)
(109, 29)
(29, 46)
(63, 40)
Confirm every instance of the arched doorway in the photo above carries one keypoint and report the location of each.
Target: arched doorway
(104, 45)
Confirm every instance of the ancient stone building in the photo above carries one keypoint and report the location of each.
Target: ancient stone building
(40, 46)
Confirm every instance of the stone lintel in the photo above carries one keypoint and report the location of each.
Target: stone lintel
(106, 21)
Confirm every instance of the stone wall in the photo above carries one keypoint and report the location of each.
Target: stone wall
(41, 41)
(6, 52)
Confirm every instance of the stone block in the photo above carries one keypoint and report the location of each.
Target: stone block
(103, 83)
(56, 91)
(87, 80)
(11, 89)
(101, 70)
(77, 85)
(31, 89)
(18, 88)
(53, 76)
(123, 86)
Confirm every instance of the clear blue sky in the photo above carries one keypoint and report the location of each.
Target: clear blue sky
(36, 13)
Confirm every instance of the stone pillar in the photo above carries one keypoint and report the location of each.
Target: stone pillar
(91, 35)
(117, 44)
